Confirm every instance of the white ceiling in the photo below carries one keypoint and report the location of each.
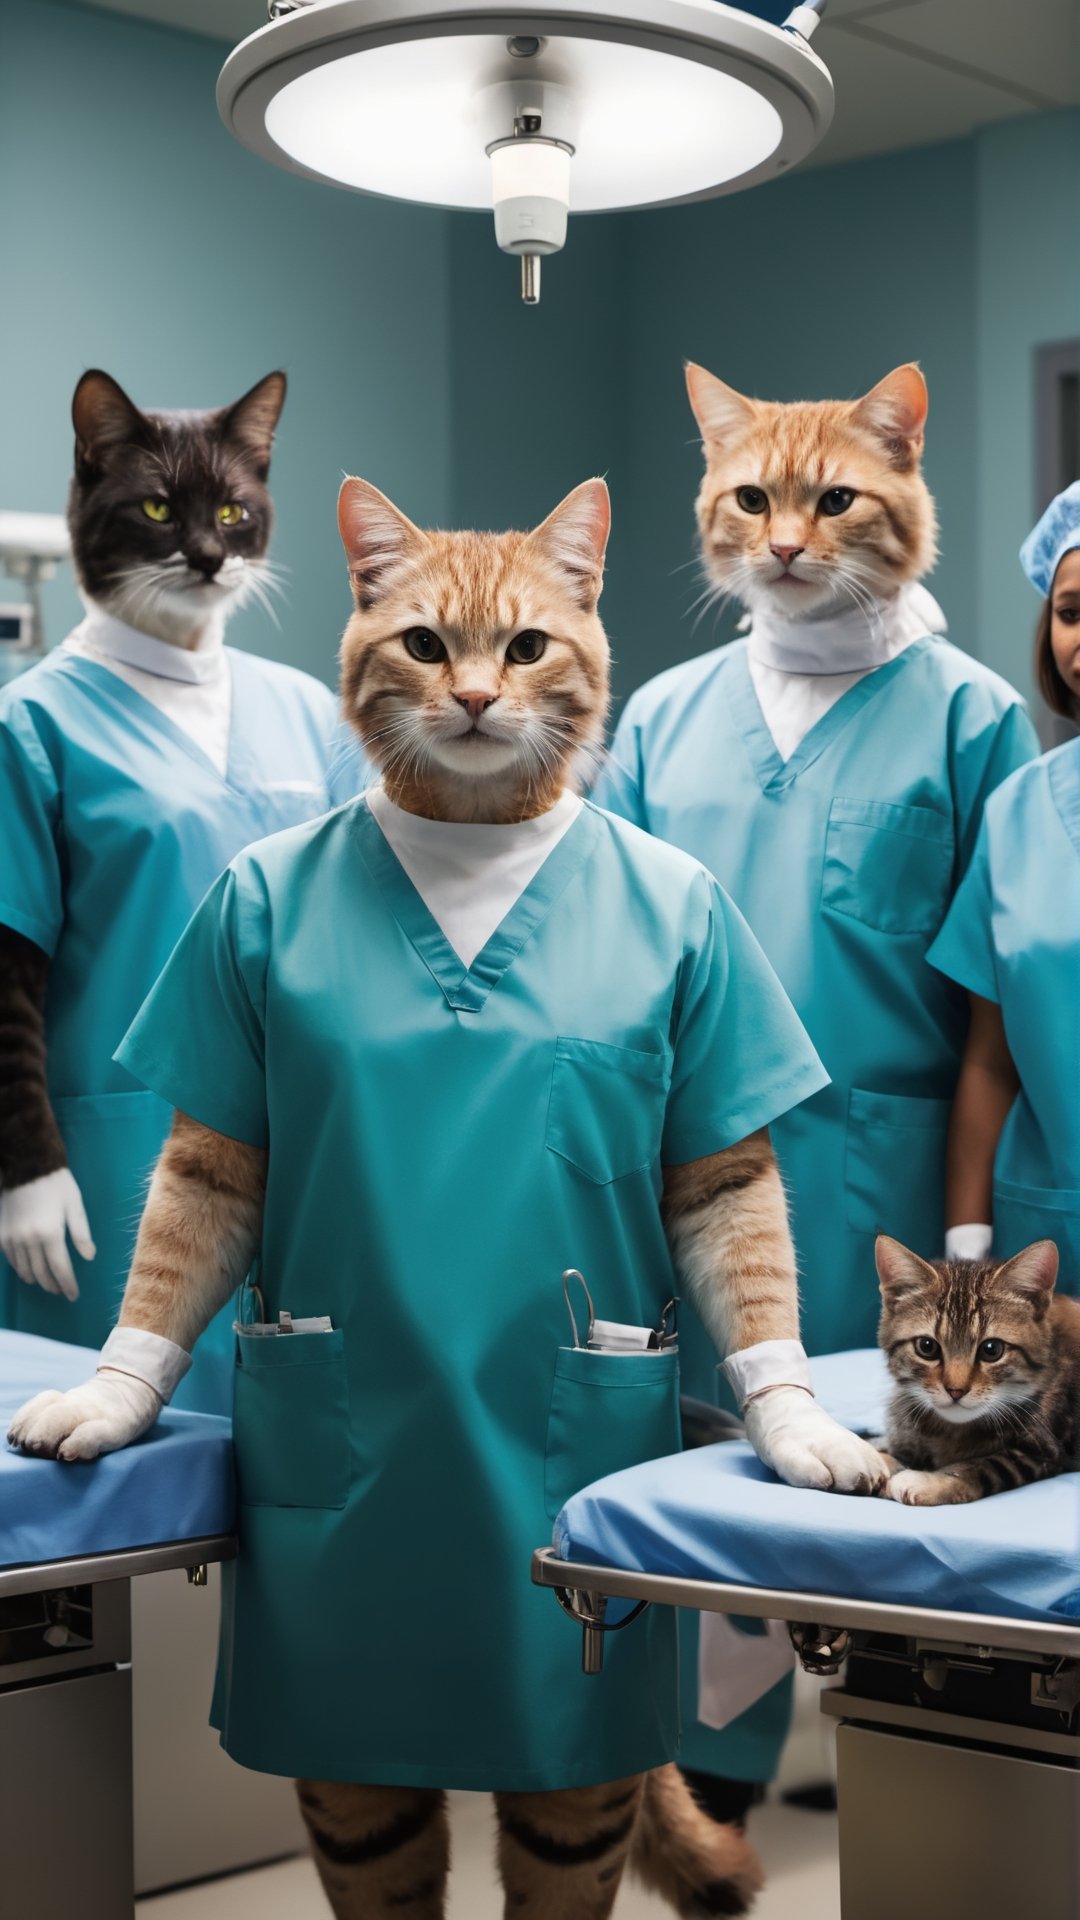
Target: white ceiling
(907, 72)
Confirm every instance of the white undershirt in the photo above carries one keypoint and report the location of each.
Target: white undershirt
(470, 875)
(801, 667)
(192, 686)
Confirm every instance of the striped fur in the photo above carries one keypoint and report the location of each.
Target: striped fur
(795, 453)
(727, 1226)
(30, 1143)
(961, 1425)
(696, 1864)
(474, 592)
(199, 1232)
(383, 1852)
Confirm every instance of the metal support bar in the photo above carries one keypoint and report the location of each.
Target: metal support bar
(991, 1631)
(86, 1569)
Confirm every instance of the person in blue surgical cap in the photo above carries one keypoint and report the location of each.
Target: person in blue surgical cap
(1012, 938)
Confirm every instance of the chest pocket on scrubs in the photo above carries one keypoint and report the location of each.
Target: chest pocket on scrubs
(889, 867)
(608, 1411)
(291, 1420)
(291, 803)
(606, 1108)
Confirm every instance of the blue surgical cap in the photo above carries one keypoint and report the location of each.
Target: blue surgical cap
(1055, 535)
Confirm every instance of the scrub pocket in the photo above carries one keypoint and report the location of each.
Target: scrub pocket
(1023, 1214)
(291, 803)
(606, 1108)
(889, 867)
(895, 1167)
(608, 1411)
(291, 1420)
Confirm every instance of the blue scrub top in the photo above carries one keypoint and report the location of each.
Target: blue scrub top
(115, 825)
(844, 860)
(443, 1142)
(1013, 936)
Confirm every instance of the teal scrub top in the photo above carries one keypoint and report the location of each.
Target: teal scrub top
(1013, 936)
(115, 825)
(443, 1143)
(844, 859)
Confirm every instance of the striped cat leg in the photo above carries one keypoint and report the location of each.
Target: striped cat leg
(727, 1227)
(383, 1853)
(561, 1855)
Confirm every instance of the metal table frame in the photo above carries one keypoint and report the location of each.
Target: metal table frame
(780, 1603)
(921, 1787)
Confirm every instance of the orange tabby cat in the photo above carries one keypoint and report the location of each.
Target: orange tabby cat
(786, 544)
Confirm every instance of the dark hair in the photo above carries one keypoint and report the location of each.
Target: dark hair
(1059, 697)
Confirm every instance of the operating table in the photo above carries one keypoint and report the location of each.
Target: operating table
(956, 1632)
(72, 1539)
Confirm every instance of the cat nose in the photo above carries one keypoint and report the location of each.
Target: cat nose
(205, 560)
(955, 1393)
(786, 554)
(475, 703)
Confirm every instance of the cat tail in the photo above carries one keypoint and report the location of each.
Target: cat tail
(697, 1865)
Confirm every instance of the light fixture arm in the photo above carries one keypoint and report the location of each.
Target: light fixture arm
(804, 19)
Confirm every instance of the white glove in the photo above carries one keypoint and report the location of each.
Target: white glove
(35, 1220)
(807, 1448)
(138, 1374)
(109, 1412)
(970, 1242)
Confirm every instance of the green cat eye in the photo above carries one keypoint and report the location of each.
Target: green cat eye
(991, 1350)
(525, 648)
(926, 1348)
(231, 514)
(837, 500)
(752, 499)
(424, 645)
(157, 510)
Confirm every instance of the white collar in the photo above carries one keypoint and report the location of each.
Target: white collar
(103, 633)
(848, 642)
(478, 838)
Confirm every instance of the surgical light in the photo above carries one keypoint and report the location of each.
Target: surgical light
(530, 106)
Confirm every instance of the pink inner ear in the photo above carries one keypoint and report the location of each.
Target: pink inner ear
(898, 404)
(1035, 1270)
(899, 1270)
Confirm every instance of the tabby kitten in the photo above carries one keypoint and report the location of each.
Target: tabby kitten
(795, 542)
(987, 1370)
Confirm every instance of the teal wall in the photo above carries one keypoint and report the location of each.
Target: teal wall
(137, 235)
(140, 236)
(1028, 295)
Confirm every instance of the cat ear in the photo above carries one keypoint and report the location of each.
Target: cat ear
(1033, 1273)
(575, 537)
(895, 412)
(103, 416)
(720, 412)
(899, 1270)
(251, 420)
(374, 535)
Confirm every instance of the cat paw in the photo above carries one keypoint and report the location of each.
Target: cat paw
(913, 1489)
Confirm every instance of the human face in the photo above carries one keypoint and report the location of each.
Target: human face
(1065, 620)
